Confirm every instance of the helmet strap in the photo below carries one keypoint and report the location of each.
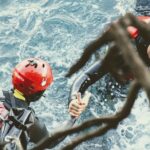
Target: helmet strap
(19, 95)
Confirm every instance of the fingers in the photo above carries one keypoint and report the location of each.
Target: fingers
(75, 113)
(79, 97)
(77, 106)
(76, 109)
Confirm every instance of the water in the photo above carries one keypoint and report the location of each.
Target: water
(57, 31)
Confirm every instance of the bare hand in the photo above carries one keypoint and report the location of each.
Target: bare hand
(78, 105)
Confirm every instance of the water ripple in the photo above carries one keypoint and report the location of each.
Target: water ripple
(57, 31)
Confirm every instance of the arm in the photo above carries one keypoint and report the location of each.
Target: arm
(38, 132)
(94, 73)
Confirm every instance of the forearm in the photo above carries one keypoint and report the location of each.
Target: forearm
(93, 74)
(80, 85)
(38, 134)
(37, 131)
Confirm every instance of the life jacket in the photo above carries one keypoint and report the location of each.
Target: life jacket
(134, 31)
(13, 121)
(7, 102)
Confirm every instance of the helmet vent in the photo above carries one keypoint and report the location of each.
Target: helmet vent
(32, 63)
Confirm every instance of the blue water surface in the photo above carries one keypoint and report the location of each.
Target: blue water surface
(57, 31)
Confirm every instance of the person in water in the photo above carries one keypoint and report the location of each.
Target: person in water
(30, 79)
(96, 71)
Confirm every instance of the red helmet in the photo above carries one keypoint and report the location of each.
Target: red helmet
(31, 76)
(134, 32)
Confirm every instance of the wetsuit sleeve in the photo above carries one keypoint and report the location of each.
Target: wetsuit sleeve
(37, 131)
(94, 73)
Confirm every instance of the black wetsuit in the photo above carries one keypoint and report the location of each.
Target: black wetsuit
(95, 72)
(87, 78)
